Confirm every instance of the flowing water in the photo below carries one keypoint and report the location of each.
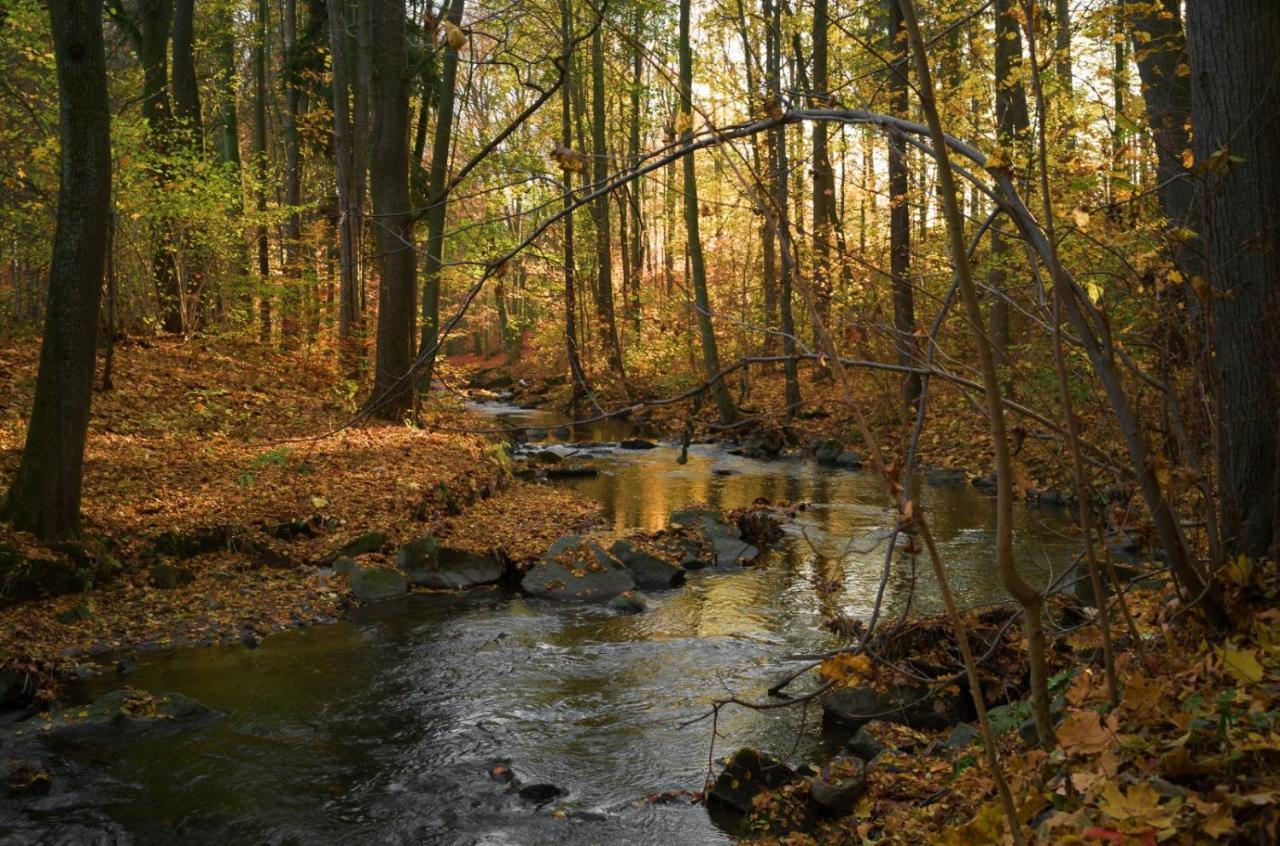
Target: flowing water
(379, 729)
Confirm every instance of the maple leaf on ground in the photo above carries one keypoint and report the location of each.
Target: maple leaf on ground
(1082, 733)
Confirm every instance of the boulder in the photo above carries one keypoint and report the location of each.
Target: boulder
(649, 571)
(840, 784)
(452, 569)
(731, 551)
(537, 433)
(746, 773)
(850, 460)
(127, 710)
(986, 484)
(629, 602)
(850, 708)
(942, 477)
(366, 543)
(961, 736)
(636, 443)
(875, 736)
(540, 794)
(168, 576)
(828, 452)
(547, 456)
(760, 526)
(577, 568)
(763, 444)
(708, 521)
(376, 584)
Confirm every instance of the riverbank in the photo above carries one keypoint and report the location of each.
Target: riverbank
(218, 474)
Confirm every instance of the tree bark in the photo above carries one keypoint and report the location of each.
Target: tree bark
(576, 375)
(607, 323)
(1012, 123)
(291, 301)
(45, 496)
(904, 309)
(392, 394)
(260, 168)
(698, 269)
(438, 196)
(780, 225)
(341, 20)
(1235, 109)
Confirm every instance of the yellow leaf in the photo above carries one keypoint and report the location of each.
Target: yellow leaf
(1242, 664)
(1081, 218)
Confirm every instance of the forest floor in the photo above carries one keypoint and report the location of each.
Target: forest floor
(218, 432)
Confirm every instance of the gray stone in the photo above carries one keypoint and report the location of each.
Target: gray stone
(730, 551)
(636, 443)
(851, 708)
(708, 521)
(377, 584)
(127, 710)
(850, 460)
(453, 569)
(649, 571)
(629, 602)
(829, 451)
(577, 568)
(368, 542)
(746, 773)
(840, 784)
(763, 444)
(941, 477)
(547, 456)
(961, 736)
(418, 554)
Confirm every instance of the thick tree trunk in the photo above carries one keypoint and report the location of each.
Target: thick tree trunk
(45, 496)
(1160, 49)
(229, 147)
(1235, 109)
(710, 353)
(904, 309)
(438, 196)
(1011, 127)
(576, 374)
(392, 394)
(780, 225)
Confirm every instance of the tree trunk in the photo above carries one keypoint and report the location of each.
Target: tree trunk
(291, 302)
(340, 20)
(392, 394)
(710, 354)
(608, 325)
(824, 180)
(229, 144)
(904, 308)
(260, 167)
(1160, 48)
(576, 375)
(45, 496)
(635, 191)
(438, 197)
(1012, 123)
(1235, 109)
(780, 225)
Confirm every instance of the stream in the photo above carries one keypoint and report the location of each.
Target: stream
(380, 728)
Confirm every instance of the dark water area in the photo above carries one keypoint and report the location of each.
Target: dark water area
(379, 729)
